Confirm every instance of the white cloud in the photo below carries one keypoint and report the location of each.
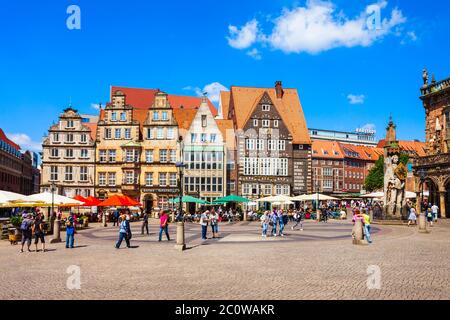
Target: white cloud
(212, 90)
(369, 126)
(25, 142)
(318, 27)
(95, 106)
(255, 54)
(245, 37)
(356, 99)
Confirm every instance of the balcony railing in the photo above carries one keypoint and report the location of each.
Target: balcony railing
(438, 86)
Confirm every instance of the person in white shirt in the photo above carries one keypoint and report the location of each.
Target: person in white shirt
(204, 219)
(435, 210)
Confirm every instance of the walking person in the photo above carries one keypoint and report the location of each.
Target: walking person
(274, 222)
(116, 216)
(26, 231)
(412, 219)
(435, 211)
(39, 234)
(265, 219)
(366, 221)
(430, 217)
(70, 233)
(124, 231)
(164, 226)
(204, 223)
(298, 218)
(214, 219)
(145, 223)
(283, 220)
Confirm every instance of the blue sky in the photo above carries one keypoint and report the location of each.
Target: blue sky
(347, 77)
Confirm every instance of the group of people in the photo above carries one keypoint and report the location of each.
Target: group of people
(34, 227)
(431, 213)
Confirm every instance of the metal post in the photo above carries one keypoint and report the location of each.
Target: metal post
(181, 245)
(422, 217)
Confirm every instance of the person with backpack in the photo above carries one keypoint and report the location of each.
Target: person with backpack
(145, 223)
(298, 217)
(124, 232)
(116, 216)
(430, 217)
(164, 226)
(283, 220)
(25, 229)
(70, 233)
(39, 232)
(214, 218)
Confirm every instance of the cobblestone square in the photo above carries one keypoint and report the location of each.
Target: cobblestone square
(317, 263)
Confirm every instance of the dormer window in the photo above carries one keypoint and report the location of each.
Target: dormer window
(70, 124)
(123, 116)
(155, 115)
(113, 116)
(266, 107)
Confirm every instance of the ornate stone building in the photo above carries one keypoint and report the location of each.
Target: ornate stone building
(68, 156)
(436, 164)
(118, 150)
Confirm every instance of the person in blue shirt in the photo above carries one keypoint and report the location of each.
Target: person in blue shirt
(70, 233)
(124, 232)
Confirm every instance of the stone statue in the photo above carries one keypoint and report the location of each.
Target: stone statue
(394, 181)
(425, 77)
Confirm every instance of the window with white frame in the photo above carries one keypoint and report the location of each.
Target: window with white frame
(279, 189)
(173, 180)
(266, 123)
(83, 138)
(68, 174)
(255, 122)
(328, 184)
(281, 145)
(54, 153)
(129, 177)
(155, 115)
(112, 179)
(129, 155)
(128, 133)
(83, 174)
(204, 122)
(266, 107)
(286, 190)
(160, 133)
(53, 173)
(162, 179)
(173, 156)
(150, 133)
(84, 153)
(259, 144)
(102, 155)
(117, 133)
(203, 137)
(113, 116)
(108, 134)
(70, 124)
(245, 189)
(69, 153)
(56, 137)
(170, 133)
(123, 116)
(165, 116)
(112, 156)
(328, 172)
(163, 155)
(69, 137)
(268, 189)
(149, 156)
(102, 179)
(250, 144)
(149, 179)
(275, 123)
(193, 137)
(212, 138)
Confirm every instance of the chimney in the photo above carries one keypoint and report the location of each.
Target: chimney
(279, 89)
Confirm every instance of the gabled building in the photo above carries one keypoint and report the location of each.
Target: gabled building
(273, 148)
(68, 156)
(204, 154)
(159, 178)
(327, 167)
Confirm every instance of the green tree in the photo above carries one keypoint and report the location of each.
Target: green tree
(375, 178)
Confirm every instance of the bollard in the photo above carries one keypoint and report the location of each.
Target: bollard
(181, 245)
(245, 215)
(423, 223)
(56, 231)
(104, 220)
(358, 233)
(172, 217)
(318, 213)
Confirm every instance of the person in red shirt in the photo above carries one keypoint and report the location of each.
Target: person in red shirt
(164, 225)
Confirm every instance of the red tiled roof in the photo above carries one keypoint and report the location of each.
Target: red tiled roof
(327, 149)
(416, 147)
(4, 138)
(184, 117)
(93, 127)
(143, 99)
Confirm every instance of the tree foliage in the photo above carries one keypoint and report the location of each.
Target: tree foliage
(375, 178)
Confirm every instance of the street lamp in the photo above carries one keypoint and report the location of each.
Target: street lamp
(56, 224)
(181, 245)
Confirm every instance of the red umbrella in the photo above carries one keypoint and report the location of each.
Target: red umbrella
(118, 201)
(92, 202)
(80, 198)
(133, 203)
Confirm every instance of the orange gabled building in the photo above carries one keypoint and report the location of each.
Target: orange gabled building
(273, 147)
(327, 167)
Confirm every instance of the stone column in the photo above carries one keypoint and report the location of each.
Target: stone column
(419, 203)
(319, 213)
(423, 223)
(104, 219)
(181, 245)
(442, 208)
(245, 215)
(172, 216)
(358, 232)
(56, 232)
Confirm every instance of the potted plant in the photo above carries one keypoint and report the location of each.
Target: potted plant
(14, 232)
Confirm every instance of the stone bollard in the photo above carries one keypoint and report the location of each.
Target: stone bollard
(318, 213)
(423, 223)
(181, 245)
(56, 231)
(358, 233)
(245, 215)
(172, 217)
